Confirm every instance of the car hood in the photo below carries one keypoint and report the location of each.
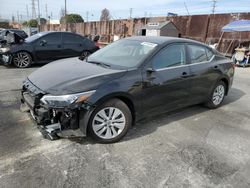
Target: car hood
(72, 75)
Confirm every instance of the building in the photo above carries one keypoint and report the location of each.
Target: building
(160, 29)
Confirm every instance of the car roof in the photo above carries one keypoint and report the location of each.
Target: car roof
(47, 32)
(162, 40)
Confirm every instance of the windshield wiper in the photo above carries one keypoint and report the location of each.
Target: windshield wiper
(99, 63)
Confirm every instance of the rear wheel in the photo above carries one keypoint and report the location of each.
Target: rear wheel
(217, 96)
(22, 60)
(110, 121)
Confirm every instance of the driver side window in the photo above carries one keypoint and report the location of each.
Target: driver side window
(171, 56)
(50, 39)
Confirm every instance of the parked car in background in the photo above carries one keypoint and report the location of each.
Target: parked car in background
(45, 47)
(123, 82)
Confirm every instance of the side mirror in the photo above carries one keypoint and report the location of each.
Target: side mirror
(43, 42)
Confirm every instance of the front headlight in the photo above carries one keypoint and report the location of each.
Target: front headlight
(4, 50)
(65, 100)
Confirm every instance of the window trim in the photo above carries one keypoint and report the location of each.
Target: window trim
(167, 46)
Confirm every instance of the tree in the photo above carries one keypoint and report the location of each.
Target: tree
(43, 21)
(25, 23)
(33, 23)
(72, 18)
(105, 15)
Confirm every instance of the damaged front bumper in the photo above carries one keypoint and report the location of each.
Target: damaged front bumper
(54, 122)
(5, 56)
(5, 59)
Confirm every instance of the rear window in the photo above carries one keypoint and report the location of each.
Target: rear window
(210, 54)
(197, 53)
(72, 39)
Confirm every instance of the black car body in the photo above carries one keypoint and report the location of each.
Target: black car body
(45, 47)
(66, 95)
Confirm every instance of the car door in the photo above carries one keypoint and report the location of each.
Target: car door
(73, 45)
(49, 47)
(166, 80)
(204, 71)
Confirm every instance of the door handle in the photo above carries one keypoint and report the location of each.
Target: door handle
(215, 67)
(185, 75)
(59, 46)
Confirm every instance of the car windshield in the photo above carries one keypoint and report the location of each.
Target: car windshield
(123, 53)
(33, 37)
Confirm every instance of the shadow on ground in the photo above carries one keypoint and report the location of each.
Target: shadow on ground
(145, 127)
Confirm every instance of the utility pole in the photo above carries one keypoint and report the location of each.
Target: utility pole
(13, 18)
(87, 16)
(33, 9)
(65, 14)
(130, 13)
(39, 20)
(18, 19)
(46, 10)
(214, 2)
(186, 8)
(27, 12)
(145, 17)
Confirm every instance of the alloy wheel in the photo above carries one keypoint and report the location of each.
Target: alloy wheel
(218, 95)
(109, 123)
(22, 59)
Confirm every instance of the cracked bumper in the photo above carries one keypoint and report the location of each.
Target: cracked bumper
(5, 58)
(55, 122)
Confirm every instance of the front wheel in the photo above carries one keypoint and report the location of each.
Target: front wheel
(84, 54)
(110, 121)
(22, 60)
(217, 96)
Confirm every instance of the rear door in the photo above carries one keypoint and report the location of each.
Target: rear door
(166, 80)
(49, 47)
(204, 71)
(73, 45)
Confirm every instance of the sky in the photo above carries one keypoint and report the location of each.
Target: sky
(119, 9)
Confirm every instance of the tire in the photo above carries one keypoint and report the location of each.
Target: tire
(22, 60)
(109, 128)
(217, 96)
(84, 54)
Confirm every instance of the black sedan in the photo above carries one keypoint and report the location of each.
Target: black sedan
(45, 47)
(128, 80)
